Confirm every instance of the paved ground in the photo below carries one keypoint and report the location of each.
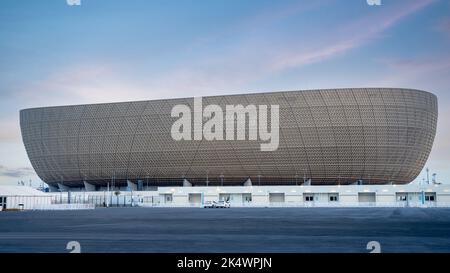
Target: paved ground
(227, 230)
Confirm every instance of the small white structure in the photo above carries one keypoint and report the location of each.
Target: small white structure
(22, 197)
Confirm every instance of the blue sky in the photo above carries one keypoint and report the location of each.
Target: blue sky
(114, 50)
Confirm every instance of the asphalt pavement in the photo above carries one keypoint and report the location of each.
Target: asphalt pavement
(227, 230)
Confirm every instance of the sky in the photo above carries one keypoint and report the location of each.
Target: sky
(52, 53)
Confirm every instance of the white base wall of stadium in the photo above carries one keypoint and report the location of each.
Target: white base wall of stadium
(410, 195)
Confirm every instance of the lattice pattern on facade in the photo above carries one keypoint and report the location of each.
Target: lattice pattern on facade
(331, 136)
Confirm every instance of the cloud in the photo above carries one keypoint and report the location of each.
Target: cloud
(413, 68)
(248, 56)
(16, 172)
(429, 73)
(424, 64)
(350, 36)
(244, 62)
(94, 82)
(10, 131)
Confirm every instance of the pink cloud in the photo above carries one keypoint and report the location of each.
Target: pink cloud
(81, 83)
(244, 63)
(423, 72)
(348, 37)
(240, 63)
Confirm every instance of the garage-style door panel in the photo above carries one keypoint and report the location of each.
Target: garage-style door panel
(276, 197)
(366, 197)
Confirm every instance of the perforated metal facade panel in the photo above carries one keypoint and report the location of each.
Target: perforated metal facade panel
(331, 136)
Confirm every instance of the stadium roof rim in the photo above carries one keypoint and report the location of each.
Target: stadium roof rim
(236, 94)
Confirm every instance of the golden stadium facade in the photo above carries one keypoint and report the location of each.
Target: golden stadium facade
(332, 136)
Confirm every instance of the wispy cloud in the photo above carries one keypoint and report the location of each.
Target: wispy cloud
(243, 60)
(424, 65)
(81, 83)
(251, 63)
(350, 36)
(16, 172)
(429, 71)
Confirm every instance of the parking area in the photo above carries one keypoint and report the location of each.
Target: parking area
(227, 230)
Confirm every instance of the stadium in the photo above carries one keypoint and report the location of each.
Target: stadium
(365, 136)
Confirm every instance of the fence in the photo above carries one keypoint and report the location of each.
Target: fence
(106, 200)
(88, 201)
(63, 206)
(24, 202)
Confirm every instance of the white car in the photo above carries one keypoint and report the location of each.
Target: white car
(208, 204)
(216, 204)
(222, 204)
